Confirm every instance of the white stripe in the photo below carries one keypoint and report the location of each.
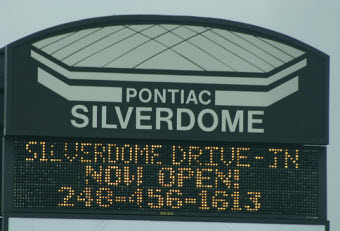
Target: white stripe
(61, 44)
(234, 46)
(288, 49)
(46, 42)
(256, 50)
(256, 99)
(254, 81)
(82, 43)
(79, 93)
(266, 47)
(236, 60)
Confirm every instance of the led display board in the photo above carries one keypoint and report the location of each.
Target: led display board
(153, 178)
(165, 117)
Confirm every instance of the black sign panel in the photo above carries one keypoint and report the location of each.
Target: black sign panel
(2, 78)
(162, 178)
(170, 78)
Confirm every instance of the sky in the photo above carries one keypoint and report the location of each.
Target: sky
(314, 22)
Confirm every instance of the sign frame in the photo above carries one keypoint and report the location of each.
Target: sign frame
(11, 133)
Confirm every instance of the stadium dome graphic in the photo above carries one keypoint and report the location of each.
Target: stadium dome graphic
(168, 53)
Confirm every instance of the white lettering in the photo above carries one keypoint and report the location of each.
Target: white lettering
(173, 94)
(166, 119)
(130, 93)
(191, 97)
(77, 115)
(200, 97)
(104, 119)
(182, 96)
(163, 118)
(123, 121)
(94, 117)
(238, 120)
(180, 126)
(252, 121)
(146, 92)
(161, 97)
(214, 120)
(140, 118)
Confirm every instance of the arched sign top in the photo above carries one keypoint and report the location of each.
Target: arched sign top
(173, 77)
(168, 47)
(172, 20)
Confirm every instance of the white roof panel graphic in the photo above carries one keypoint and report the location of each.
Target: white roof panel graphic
(168, 47)
(239, 59)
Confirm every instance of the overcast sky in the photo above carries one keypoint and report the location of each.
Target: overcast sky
(314, 22)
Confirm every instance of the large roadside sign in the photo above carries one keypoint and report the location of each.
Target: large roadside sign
(165, 116)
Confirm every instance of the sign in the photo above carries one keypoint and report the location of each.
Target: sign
(170, 78)
(166, 118)
(167, 179)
